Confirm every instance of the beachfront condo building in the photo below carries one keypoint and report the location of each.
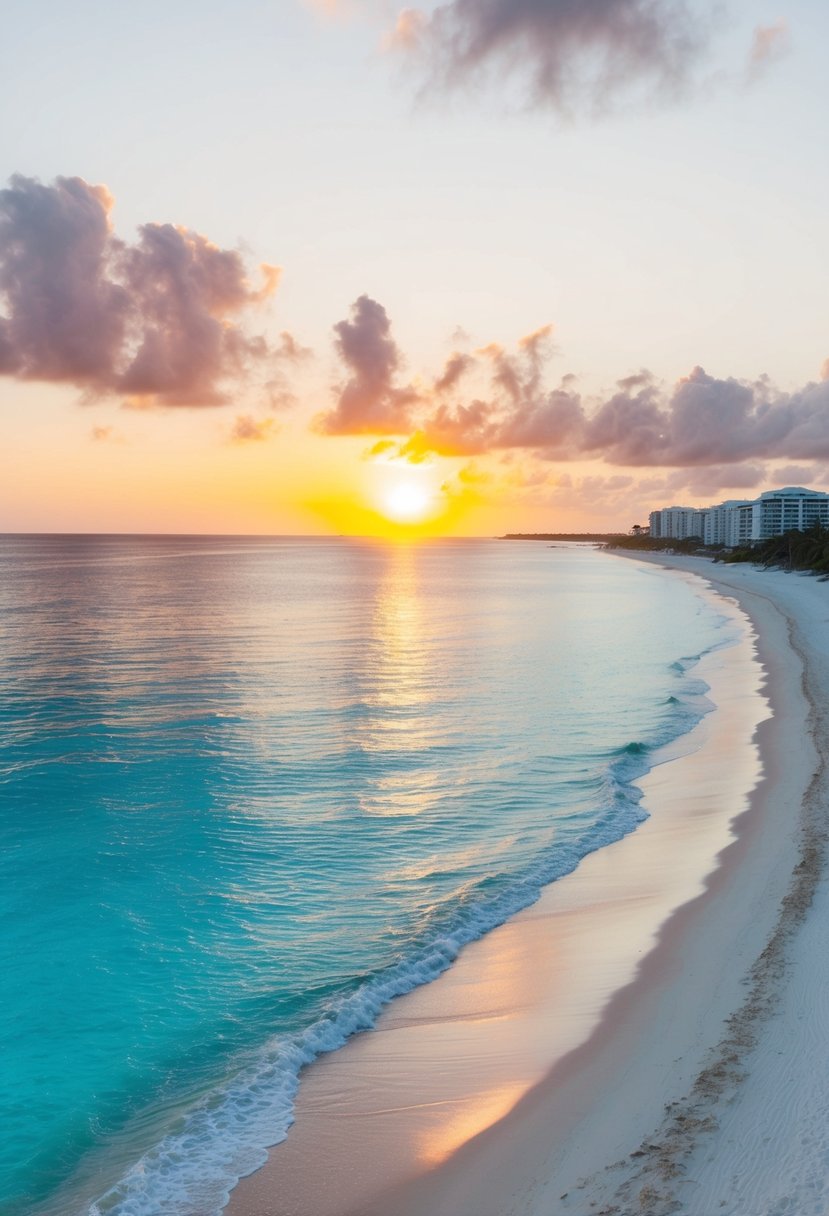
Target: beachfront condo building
(676, 523)
(743, 521)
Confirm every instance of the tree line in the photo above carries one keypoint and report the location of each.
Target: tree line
(794, 550)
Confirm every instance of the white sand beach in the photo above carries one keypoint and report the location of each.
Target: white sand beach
(652, 1036)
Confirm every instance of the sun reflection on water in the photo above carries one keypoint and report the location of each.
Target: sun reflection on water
(401, 685)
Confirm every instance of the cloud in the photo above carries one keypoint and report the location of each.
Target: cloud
(705, 421)
(155, 321)
(370, 402)
(499, 401)
(185, 291)
(342, 9)
(540, 488)
(409, 30)
(799, 474)
(101, 433)
(279, 394)
(291, 350)
(456, 367)
(769, 45)
(383, 448)
(711, 479)
(515, 410)
(246, 428)
(271, 276)
(65, 319)
(462, 430)
(571, 55)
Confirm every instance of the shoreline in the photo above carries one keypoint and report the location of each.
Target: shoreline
(539, 1133)
(750, 1137)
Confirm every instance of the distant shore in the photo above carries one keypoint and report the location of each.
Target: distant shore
(596, 538)
(513, 1082)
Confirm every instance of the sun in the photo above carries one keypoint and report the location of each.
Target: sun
(407, 502)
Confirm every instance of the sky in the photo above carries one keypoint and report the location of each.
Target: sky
(341, 266)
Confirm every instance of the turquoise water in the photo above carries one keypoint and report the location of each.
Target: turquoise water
(250, 790)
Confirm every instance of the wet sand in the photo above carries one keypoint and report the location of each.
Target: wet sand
(553, 1046)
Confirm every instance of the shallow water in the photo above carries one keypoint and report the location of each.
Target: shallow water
(252, 789)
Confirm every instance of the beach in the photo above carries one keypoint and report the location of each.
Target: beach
(616, 1046)
(389, 824)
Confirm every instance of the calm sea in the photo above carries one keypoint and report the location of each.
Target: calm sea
(252, 789)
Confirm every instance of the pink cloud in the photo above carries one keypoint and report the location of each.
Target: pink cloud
(65, 319)
(497, 400)
(371, 401)
(156, 321)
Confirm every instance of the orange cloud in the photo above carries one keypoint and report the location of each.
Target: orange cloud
(496, 400)
(247, 428)
(769, 44)
(270, 280)
(408, 31)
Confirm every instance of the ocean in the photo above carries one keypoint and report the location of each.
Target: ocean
(253, 789)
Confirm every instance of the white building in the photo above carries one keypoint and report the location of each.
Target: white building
(676, 523)
(725, 524)
(744, 521)
(779, 511)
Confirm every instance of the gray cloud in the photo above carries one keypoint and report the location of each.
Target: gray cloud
(703, 422)
(706, 421)
(711, 479)
(799, 474)
(155, 321)
(183, 290)
(572, 55)
(551, 422)
(371, 402)
(65, 319)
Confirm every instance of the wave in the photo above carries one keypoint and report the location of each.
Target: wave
(226, 1136)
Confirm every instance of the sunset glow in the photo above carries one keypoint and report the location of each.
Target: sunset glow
(407, 502)
(406, 414)
(320, 338)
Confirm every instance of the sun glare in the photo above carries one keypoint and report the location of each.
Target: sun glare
(407, 502)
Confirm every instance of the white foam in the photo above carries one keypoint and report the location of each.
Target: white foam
(193, 1169)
